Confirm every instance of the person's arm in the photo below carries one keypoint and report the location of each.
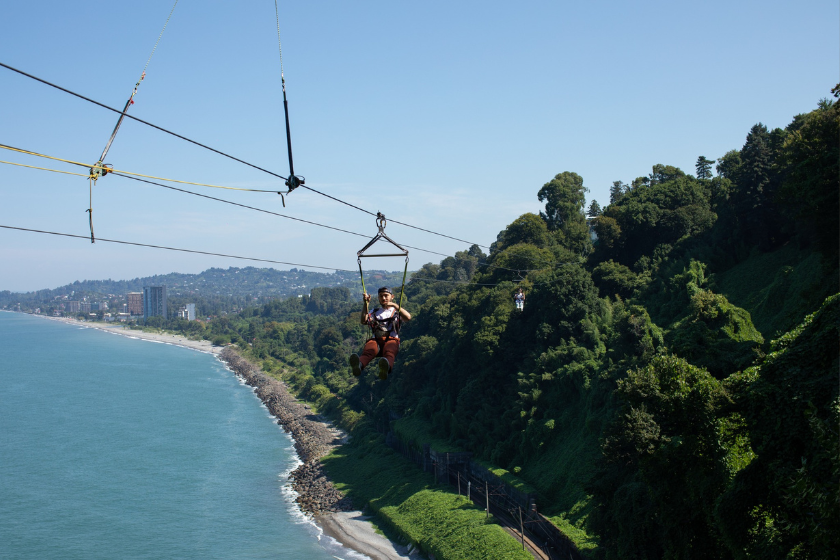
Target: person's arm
(366, 298)
(404, 315)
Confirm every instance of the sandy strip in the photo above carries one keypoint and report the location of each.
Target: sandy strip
(120, 329)
(353, 530)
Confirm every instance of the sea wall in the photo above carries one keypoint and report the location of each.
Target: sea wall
(313, 435)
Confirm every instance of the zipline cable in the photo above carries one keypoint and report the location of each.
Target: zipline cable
(269, 212)
(173, 248)
(112, 170)
(194, 251)
(147, 123)
(45, 169)
(121, 174)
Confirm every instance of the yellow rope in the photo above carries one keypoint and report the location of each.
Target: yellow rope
(44, 168)
(110, 170)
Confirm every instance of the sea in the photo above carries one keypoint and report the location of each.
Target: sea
(113, 447)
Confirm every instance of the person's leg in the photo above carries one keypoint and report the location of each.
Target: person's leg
(389, 351)
(369, 352)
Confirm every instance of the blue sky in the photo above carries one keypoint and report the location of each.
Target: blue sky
(449, 116)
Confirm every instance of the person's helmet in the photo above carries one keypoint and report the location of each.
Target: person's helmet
(385, 289)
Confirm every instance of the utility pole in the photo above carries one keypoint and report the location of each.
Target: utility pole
(487, 496)
(521, 528)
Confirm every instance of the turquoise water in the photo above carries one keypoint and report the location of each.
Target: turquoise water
(112, 447)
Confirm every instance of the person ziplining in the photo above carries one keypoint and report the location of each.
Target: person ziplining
(384, 321)
(519, 299)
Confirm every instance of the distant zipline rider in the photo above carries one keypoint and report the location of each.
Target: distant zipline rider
(384, 321)
(519, 299)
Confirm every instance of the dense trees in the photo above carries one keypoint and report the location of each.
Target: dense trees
(634, 391)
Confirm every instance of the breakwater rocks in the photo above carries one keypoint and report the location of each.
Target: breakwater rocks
(314, 437)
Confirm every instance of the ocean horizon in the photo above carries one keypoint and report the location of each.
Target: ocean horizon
(113, 447)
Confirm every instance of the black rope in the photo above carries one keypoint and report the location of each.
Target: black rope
(174, 249)
(228, 155)
(194, 251)
(140, 120)
(265, 211)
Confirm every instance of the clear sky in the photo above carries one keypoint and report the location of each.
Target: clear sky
(446, 115)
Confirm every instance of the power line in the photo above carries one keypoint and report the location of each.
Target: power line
(86, 238)
(21, 72)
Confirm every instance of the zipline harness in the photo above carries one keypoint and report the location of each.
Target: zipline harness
(381, 223)
(294, 181)
(100, 169)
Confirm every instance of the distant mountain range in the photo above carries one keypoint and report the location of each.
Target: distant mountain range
(229, 287)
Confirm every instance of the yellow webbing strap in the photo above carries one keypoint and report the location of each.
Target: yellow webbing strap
(110, 170)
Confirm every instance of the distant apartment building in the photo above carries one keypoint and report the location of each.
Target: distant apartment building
(135, 303)
(72, 307)
(154, 302)
(187, 312)
(84, 307)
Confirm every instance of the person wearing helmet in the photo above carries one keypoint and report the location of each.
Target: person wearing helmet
(384, 322)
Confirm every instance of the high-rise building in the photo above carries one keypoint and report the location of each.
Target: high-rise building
(154, 302)
(73, 307)
(187, 312)
(135, 303)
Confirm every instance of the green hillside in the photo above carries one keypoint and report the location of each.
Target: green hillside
(668, 391)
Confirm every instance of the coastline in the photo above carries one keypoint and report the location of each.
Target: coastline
(313, 435)
(164, 338)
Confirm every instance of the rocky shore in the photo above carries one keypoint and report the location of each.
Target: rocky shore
(314, 437)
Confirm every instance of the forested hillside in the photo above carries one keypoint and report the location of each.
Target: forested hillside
(670, 390)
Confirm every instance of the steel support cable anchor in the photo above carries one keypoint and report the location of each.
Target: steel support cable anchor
(294, 181)
(100, 169)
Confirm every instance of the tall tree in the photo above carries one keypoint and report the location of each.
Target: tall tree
(617, 190)
(594, 209)
(565, 197)
(729, 166)
(756, 183)
(704, 167)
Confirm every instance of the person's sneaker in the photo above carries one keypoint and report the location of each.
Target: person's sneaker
(354, 365)
(383, 369)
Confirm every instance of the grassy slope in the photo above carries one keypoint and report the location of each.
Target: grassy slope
(438, 520)
(778, 288)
